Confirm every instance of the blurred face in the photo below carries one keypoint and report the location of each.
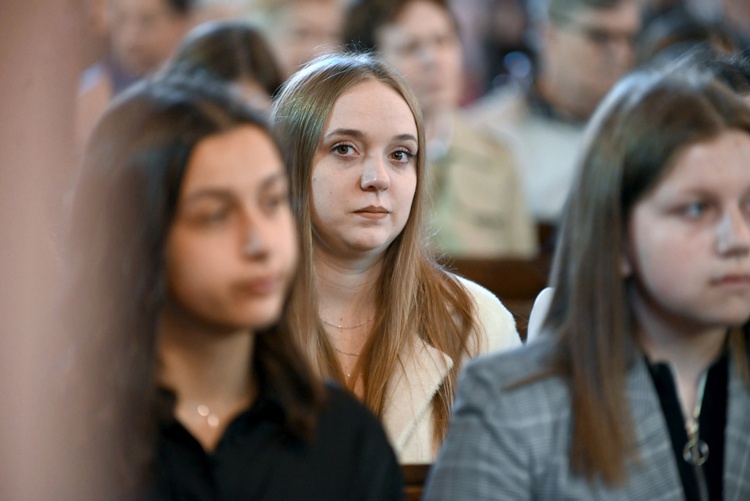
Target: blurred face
(586, 54)
(422, 44)
(689, 240)
(144, 33)
(307, 29)
(364, 173)
(232, 250)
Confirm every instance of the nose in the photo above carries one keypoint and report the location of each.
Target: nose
(254, 244)
(374, 175)
(734, 233)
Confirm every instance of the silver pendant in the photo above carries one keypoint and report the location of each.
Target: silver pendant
(695, 451)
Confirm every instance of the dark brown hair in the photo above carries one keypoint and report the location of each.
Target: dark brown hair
(123, 207)
(232, 50)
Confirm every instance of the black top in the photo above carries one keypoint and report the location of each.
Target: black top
(349, 459)
(712, 422)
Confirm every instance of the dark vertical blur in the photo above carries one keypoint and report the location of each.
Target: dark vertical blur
(39, 67)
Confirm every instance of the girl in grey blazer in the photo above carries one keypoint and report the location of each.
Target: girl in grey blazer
(639, 386)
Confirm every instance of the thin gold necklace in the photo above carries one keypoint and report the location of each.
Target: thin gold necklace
(347, 353)
(344, 328)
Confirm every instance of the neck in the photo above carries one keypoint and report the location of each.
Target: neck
(346, 289)
(689, 351)
(555, 96)
(203, 367)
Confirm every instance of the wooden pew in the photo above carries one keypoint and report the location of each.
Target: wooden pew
(515, 281)
(415, 476)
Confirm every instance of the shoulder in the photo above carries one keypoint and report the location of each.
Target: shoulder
(500, 384)
(496, 324)
(504, 103)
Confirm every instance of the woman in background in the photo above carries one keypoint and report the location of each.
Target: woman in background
(183, 251)
(373, 308)
(235, 52)
(639, 384)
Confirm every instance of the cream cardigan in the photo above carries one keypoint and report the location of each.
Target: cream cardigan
(407, 416)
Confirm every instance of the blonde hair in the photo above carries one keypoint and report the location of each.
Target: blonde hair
(414, 295)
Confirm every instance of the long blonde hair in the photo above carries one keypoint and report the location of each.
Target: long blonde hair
(414, 295)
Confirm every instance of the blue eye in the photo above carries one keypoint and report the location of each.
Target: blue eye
(695, 210)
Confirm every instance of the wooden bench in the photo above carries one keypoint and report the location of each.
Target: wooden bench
(515, 281)
(415, 476)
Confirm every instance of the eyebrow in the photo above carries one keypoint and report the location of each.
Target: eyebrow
(226, 194)
(358, 134)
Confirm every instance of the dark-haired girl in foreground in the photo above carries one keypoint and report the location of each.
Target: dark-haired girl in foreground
(184, 250)
(638, 386)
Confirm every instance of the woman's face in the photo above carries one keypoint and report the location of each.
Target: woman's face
(423, 45)
(232, 250)
(689, 239)
(364, 173)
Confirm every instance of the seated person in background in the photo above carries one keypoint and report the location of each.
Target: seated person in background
(183, 251)
(639, 386)
(143, 35)
(236, 52)
(298, 30)
(476, 204)
(373, 309)
(586, 46)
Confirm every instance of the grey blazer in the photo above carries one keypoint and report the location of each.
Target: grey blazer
(513, 445)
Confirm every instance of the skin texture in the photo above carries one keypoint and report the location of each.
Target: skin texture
(422, 44)
(232, 249)
(364, 175)
(584, 57)
(689, 244)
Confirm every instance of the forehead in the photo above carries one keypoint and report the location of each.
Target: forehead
(625, 16)
(718, 165)
(418, 17)
(372, 105)
(140, 6)
(238, 158)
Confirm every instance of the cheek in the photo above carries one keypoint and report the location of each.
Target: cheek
(189, 272)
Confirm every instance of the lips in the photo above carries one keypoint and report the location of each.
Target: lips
(259, 286)
(372, 212)
(733, 280)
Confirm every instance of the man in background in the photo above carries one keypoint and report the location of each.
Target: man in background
(586, 46)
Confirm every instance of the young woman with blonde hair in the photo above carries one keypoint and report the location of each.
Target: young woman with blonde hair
(373, 308)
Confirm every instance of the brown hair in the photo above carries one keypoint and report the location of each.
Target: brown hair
(643, 123)
(415, 296)
(232, 50)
